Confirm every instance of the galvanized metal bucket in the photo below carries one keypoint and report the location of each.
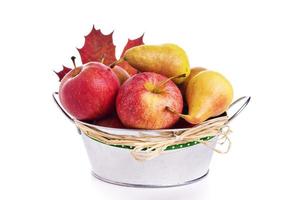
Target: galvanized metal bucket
(177, 165)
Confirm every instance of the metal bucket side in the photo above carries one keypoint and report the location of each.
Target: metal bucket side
(172, 168)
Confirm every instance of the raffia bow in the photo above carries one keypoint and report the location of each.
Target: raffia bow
(147, 147)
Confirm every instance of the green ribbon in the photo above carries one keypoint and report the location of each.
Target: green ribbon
(171, 147)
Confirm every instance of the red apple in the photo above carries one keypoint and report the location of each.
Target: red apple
(143, 99)
(121, 73)
(89, 92)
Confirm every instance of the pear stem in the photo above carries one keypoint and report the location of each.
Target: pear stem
(163, 83)
(172, 110)
(177, 113)
(73, 60)
(116, 62)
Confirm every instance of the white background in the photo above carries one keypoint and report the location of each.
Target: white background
(256, 44)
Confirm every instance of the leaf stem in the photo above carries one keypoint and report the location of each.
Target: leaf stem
(116, 62)
(102, 59)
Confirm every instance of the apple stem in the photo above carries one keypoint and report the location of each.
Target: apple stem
(73, 60)
(163, 83)
(116, 62)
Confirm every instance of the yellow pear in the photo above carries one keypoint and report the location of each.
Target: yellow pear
(194, 72)
(208, 94)
(168, 59)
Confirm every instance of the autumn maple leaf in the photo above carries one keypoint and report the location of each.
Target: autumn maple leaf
(100, 47)
(132, 43)
(63, 72)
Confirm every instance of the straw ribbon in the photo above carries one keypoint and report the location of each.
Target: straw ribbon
(147, 147)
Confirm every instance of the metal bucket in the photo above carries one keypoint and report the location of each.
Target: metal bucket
(177, 165)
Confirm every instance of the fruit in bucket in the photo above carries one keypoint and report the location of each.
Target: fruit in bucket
(168, 59)
(142, 101)
(88, 92)
(148, 100)
(121, 73)
(208, 94)
(194, 72)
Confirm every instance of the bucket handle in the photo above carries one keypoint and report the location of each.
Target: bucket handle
(54, 95)
(244, 98)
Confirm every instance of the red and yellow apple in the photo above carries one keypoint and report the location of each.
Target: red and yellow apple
(143, 99)
(88, 92)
